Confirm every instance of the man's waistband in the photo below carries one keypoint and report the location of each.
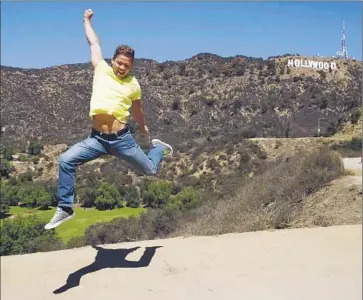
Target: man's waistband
(110, 136)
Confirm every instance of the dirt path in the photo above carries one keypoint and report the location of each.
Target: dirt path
(339, 203)
(352, 163)
(295, 264)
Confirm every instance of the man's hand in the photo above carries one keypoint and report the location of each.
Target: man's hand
(144, 130)
(88, 14)
(145, 137)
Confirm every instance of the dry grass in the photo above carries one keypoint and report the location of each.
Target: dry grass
(269, 200)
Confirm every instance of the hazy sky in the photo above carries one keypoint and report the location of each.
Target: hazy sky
(42, 34)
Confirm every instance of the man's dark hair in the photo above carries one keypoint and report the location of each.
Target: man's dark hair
(124, 50)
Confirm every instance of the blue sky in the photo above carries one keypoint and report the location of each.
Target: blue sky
(42, 34)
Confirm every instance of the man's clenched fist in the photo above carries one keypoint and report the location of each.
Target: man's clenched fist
(88, 14)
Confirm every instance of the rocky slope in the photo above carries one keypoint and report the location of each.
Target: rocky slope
(201, 96)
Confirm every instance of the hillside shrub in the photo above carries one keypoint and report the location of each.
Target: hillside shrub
(27, 235)
(268, 200)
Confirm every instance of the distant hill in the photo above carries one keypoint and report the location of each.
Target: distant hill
(203, 95)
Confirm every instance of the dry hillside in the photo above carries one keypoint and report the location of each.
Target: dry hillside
(243, 130)
(200, 96)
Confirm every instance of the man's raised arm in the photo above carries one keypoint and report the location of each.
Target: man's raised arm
(96, 53)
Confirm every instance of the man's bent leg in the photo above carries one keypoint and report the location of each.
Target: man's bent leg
(126, 148)
(78, 154)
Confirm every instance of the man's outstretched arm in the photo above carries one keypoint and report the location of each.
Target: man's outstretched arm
(96, 53)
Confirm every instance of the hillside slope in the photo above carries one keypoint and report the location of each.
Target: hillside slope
(204, 95)
(314, 264)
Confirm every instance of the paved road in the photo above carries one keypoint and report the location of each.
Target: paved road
(296, 264)
(352, 163)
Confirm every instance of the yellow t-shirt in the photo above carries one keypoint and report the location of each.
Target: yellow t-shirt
(111, 95)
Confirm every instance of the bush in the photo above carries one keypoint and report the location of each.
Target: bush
(4, 207)
(86, 196)
(150, 225)
(132, 197)
(35, 160)
(9, 194)
(5, 168)
(157, 193)
(186, 199)
(27, 176)
(34, 148)
(27, 235)
(76, 242)
(355, 116)
(352, 148)
(107, 197)
(117, 231)
(271, 199)
(354, 144)
(6, 153)
(34, 196)
(159, 223)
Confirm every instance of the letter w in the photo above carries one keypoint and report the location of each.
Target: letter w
(313, 64)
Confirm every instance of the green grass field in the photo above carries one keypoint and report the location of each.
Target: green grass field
(83, 218)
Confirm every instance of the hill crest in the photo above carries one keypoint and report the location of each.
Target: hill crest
(200, 96)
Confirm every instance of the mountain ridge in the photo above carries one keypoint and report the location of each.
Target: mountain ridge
(203, 95)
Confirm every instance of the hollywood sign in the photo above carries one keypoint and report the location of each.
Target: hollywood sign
(304, 63)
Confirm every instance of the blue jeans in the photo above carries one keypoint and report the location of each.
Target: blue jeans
(95, 146)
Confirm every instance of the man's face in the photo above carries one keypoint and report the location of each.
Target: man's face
(121, 65)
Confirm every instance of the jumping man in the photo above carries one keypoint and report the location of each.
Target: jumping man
(114, 93)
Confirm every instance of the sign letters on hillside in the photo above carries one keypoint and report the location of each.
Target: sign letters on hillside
(305, 63)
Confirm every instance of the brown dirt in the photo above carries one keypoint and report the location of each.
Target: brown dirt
(339, 203)
(48, 162)
(275, 147)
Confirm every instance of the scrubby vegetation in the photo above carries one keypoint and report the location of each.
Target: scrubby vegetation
(27, 235)
(208, 107)
(188, 99)
(269, 199)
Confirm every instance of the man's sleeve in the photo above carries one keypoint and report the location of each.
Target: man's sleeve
(102, 66)
(137, 94)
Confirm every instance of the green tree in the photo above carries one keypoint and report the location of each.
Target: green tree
(9, 193)
(4, 206)
(5, 168)
(34, 148)
(27, 235)
(27, 176)
(52, 189)
(157, 194)
(132, 197)
(107, 197)
(185, 200)
(35, 196)
(86, 196)
(6, 152)
(44, 199)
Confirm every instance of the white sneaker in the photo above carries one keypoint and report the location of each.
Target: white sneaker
(168, 148)
(59, 217)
